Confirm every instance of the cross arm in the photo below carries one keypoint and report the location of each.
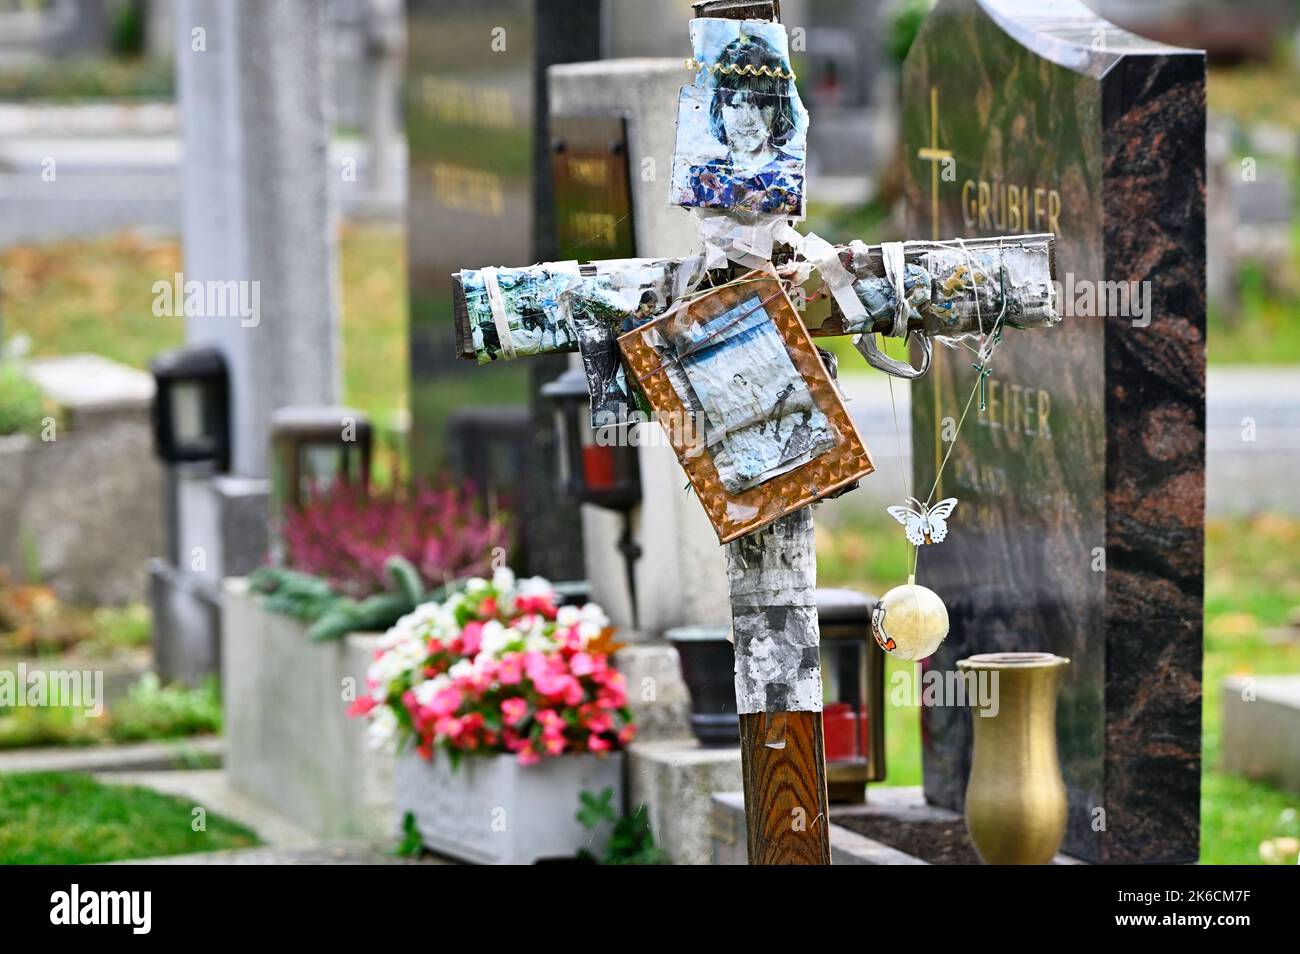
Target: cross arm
(1019, 270)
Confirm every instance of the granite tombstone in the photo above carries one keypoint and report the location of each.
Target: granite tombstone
(1080, 530)
(480, 188)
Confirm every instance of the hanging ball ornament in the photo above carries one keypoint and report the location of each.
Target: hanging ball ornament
(910, 621)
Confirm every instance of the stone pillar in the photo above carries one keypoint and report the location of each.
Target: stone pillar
(681, 575)
(259, 225)
(259, 205)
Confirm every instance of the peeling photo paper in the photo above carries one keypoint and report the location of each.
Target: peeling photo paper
(772, 578)
(741, 128)
(517, 312)
(622, 295)
(970, 285)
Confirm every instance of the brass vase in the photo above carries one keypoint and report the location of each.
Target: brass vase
(1015, 801)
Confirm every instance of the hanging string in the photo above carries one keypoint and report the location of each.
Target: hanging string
(983, 369)
(902, 471)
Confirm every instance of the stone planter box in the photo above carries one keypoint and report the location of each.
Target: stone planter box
(289, 742)
(492, 810)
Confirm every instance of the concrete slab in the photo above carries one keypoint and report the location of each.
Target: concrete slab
(1260, 737)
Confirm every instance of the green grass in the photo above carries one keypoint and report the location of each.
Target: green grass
(22, 406)
(55, 818)
(149, 711)
(97, 295)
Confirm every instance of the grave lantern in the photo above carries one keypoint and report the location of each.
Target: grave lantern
(598, 466)
(313, 447)
(191, 409)
(853, 686)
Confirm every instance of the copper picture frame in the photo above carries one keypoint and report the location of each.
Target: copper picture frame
(736, 514)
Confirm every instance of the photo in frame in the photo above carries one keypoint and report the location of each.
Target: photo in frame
(756, 449)
(741, 127)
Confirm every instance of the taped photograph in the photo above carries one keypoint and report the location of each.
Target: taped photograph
(741, 127)
(517, 311)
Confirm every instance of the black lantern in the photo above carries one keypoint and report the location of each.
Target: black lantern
(598, 466)
(853, 686)
(314, 447)
(191, 408)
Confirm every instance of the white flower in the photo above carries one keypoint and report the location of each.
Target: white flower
(591, 613)
(503, 578)
(538, 641)
(495, 637)
(567, 616)
(535, 586)
(383, 727)
(461, 670)
(475, 584)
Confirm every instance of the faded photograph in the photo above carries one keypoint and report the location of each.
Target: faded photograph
(760, 419)
(741, 128)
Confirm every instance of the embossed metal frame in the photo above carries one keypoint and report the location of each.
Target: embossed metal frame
(846, 462)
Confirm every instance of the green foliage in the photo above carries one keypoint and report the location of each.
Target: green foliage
(22, 405)
(631, 842)
(1264, 326)
(150, 711)
(127, 29)
(332, 615)
(154, 711)
(904, 24)
(56, 818)
(291, 593)
(411, 844)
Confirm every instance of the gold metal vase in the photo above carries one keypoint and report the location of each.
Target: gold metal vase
(1015, 801)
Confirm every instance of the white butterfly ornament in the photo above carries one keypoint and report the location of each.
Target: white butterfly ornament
(924, 524)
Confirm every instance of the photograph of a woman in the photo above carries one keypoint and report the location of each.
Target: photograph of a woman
(741, 128)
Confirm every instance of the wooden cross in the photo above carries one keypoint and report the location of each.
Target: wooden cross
(782, 752)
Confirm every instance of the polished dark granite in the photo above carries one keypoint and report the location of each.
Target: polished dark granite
(1092, 445)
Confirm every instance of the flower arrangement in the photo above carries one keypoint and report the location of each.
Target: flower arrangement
(346, 534)
(495, 668)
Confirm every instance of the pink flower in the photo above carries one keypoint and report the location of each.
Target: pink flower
(554, 744)
(446, 702)
(514, 711)
(600, 721)
(471, 637)
(449, 726)
(511, 670)
(582, 664)
(528, 755)
(627, 733)
(362, 706)
(541, 605)
(488, 607)
(597, 744)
